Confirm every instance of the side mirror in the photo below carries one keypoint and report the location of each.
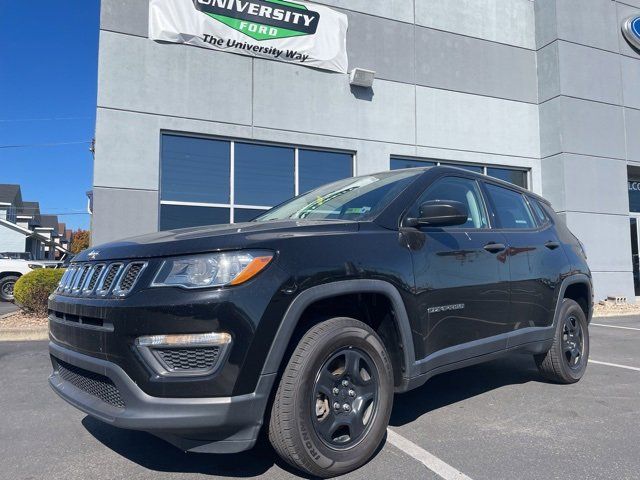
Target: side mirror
(441, 213)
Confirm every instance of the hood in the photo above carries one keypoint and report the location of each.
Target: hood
(212, 238)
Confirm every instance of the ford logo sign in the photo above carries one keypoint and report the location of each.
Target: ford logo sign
(631, 30)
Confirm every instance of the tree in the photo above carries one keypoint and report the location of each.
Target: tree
(80, 241)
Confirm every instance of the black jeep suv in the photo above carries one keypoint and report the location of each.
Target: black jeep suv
(309, 318)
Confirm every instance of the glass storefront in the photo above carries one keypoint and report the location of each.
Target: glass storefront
(516, 176)
(634, 208)
(207, 181)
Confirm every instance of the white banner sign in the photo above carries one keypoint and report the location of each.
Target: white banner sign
(288, 31)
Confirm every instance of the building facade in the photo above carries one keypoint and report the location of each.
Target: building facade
(542, 93)
(24, 232)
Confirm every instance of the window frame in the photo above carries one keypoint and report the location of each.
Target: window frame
(531, 201)
(231, 206)
(495, 220)
(459, 164)
(453, 228)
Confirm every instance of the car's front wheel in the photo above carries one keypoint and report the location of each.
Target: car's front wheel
(333, 403)
(6, 288)
(567, 359)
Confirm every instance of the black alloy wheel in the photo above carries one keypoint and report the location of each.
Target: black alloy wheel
(572, 342)
(333, 402)
(345, 398)
(566, 361)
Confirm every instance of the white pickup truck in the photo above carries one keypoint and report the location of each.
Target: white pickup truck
(10, 271)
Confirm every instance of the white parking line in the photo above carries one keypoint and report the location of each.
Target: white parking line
(614, 326)
(433, 463)
(615, 365)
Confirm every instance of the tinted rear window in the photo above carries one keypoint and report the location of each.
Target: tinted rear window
(510, 207)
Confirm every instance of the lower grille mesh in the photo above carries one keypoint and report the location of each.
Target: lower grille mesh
(185, 359)
(91, 383)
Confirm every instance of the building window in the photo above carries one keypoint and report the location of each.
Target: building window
(263, 174)
(517, 176)
(401, 162)
(634, 195)
(195, 170)
(317, 168)
(208, 181)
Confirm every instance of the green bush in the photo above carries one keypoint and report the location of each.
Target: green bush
(33, 289)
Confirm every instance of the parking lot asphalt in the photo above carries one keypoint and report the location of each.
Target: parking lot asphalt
(493, 421)
(6, 307)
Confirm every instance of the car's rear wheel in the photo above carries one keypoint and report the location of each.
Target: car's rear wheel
(6, 288)
(567, 359)
(333, 403)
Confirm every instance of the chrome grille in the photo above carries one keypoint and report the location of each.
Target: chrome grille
(129, 277)
(103, 279)
(94, 278)
(109, 278)
(68, 281)
(64, 279)
(81, 277)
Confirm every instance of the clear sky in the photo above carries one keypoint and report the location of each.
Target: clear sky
(48, 76)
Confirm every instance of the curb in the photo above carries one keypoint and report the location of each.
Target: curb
(7, 315)
(617, 314)
(24, 334)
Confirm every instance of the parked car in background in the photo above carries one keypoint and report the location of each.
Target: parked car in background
(307, 320)
(10, 271)
(17, 255)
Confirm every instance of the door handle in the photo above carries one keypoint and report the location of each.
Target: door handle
(552, 245)
(494, 247)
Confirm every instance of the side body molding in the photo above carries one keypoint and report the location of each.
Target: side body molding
(313, 294)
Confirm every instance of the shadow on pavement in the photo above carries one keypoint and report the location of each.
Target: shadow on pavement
(155, 454)
(453, 387)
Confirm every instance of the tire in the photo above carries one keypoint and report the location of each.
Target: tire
(305, 407)
(6, 288)
(562, 363)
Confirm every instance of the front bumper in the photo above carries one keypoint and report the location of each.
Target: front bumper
(212, 425)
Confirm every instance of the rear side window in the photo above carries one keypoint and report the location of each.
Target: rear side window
(510, 208)
(538, 212)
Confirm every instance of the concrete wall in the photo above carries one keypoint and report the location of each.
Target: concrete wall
(506, 82)
(448, 86)
(589, 111)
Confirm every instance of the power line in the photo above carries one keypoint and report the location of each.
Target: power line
(36, 209)
(44, 144)
(11, 120)
(65, 214)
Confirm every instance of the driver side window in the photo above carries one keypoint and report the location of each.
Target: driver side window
(461, 190)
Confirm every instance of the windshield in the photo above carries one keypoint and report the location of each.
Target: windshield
(358, 198)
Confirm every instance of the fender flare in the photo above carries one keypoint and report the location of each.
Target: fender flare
(572, 280)
(320, 292)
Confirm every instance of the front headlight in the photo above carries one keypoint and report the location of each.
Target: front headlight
(211, 269)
